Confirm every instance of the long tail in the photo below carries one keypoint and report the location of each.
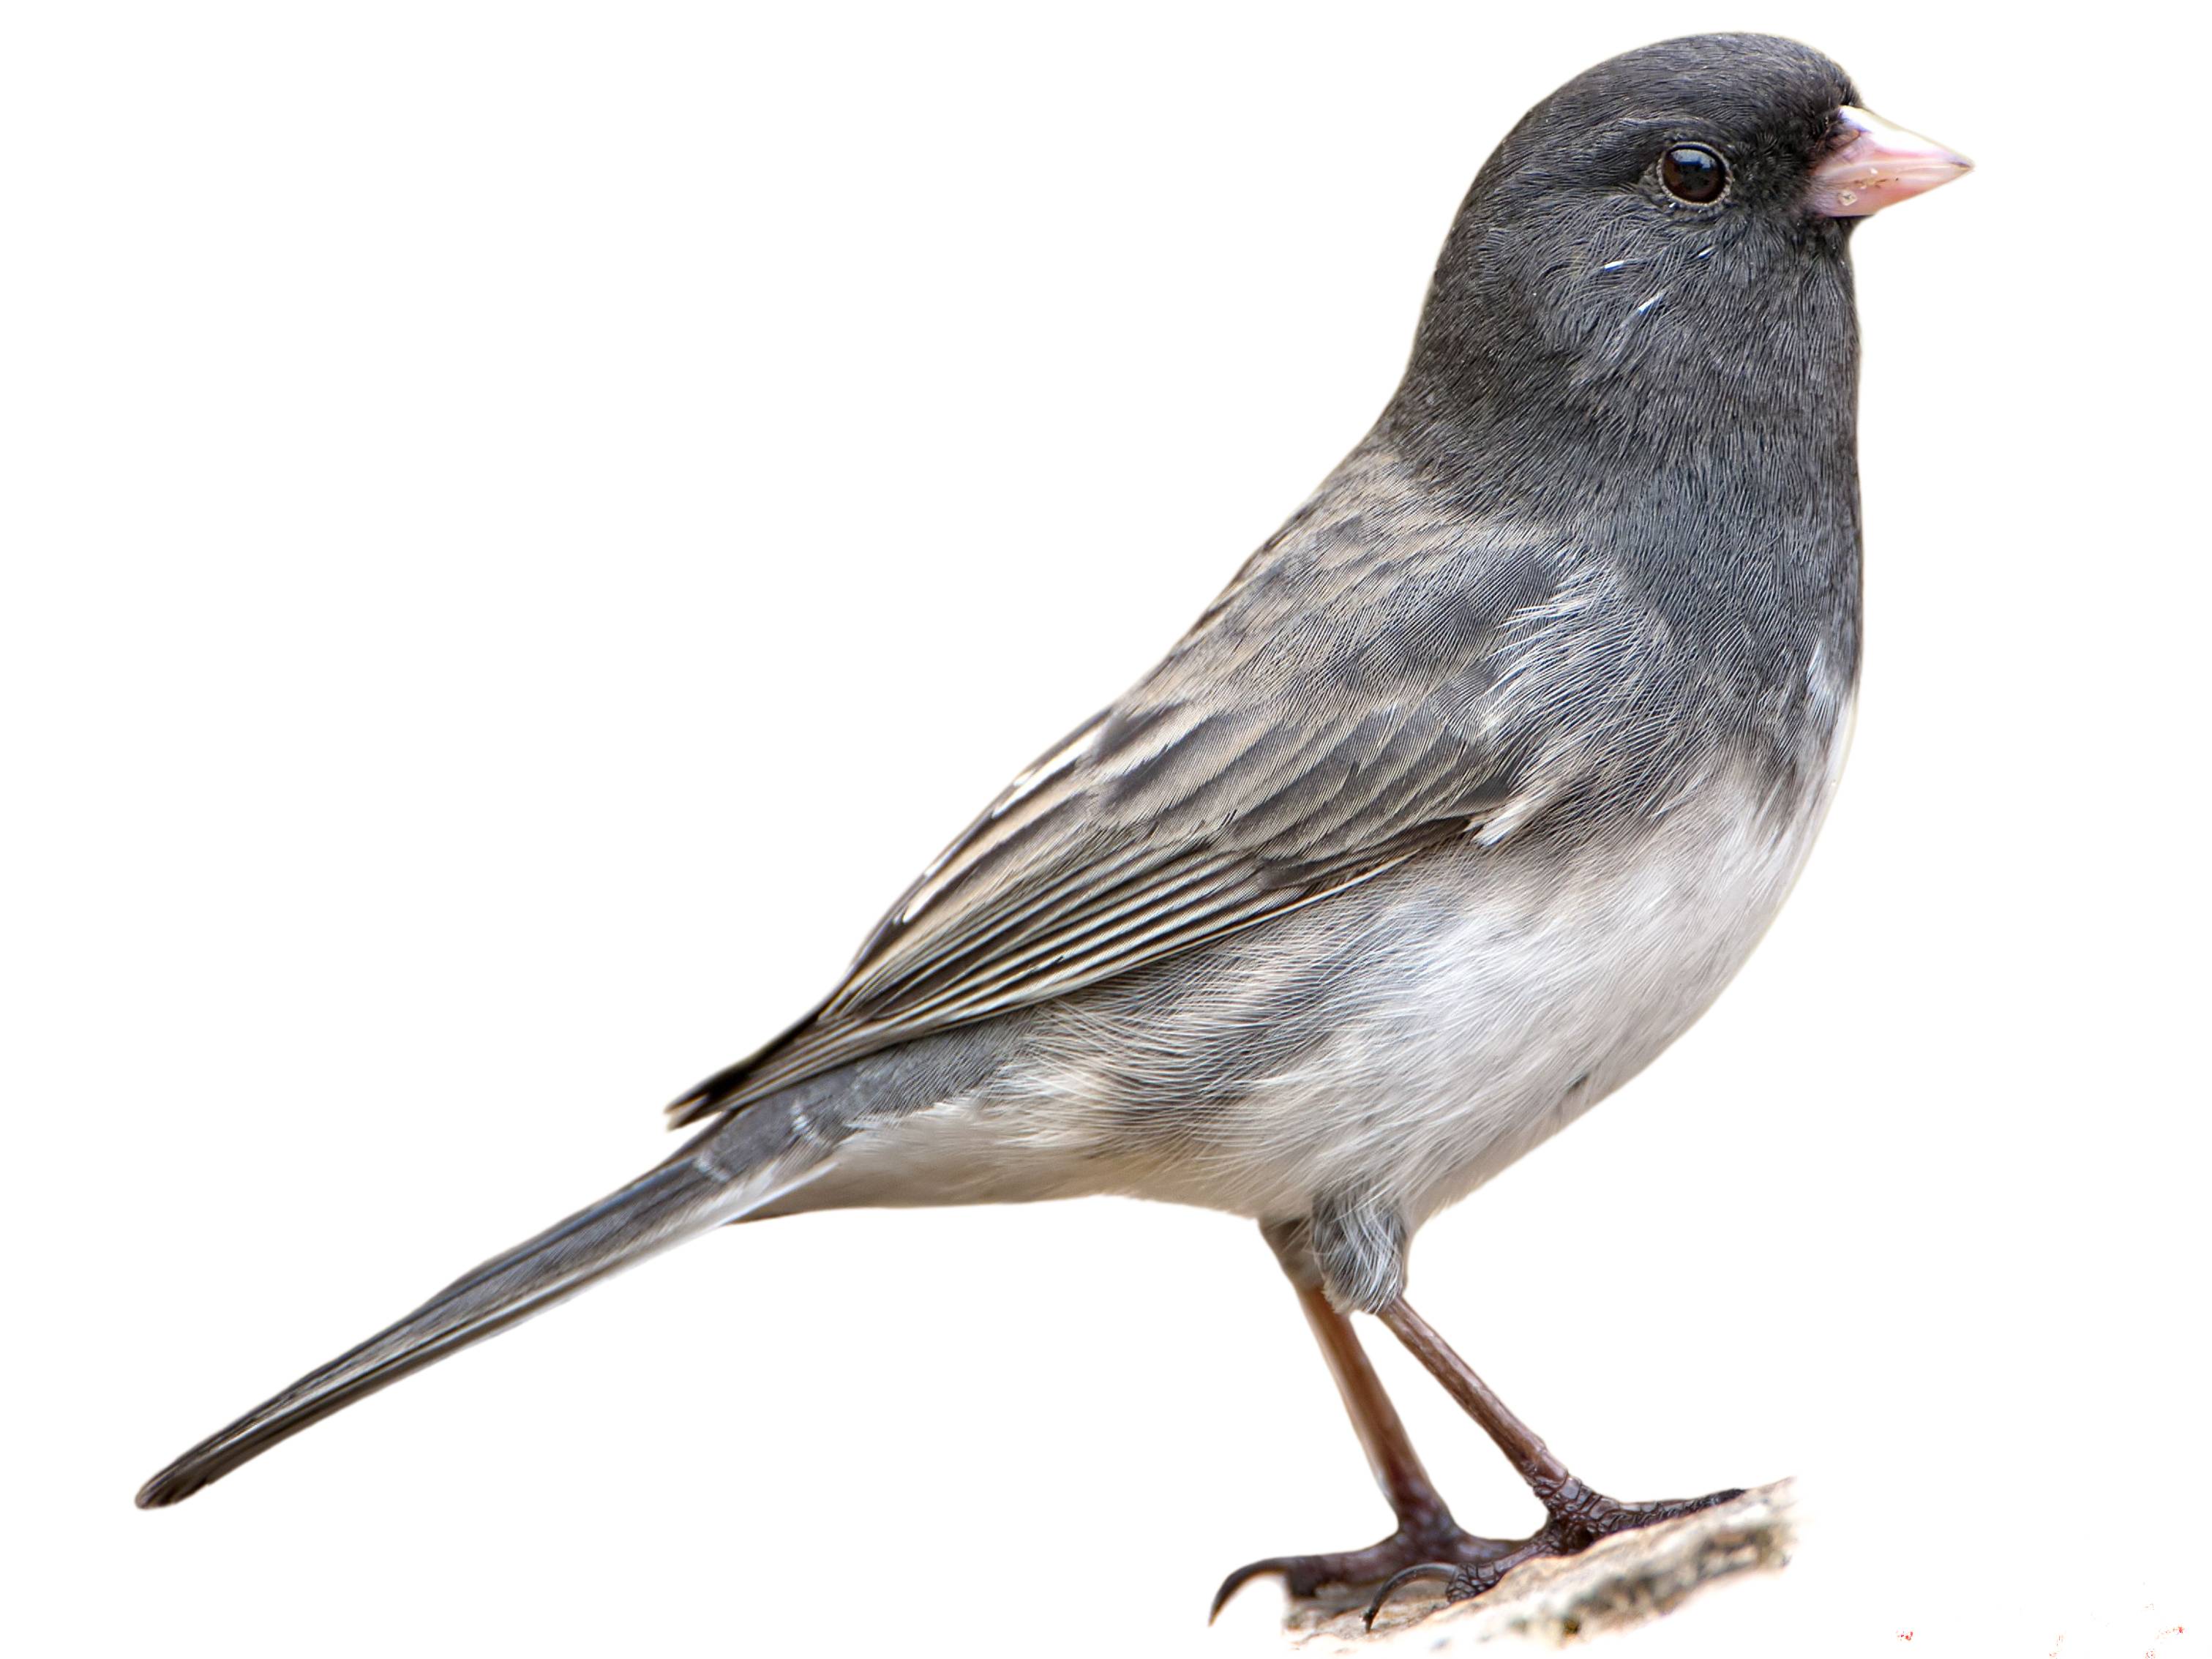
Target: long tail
(734, 1169)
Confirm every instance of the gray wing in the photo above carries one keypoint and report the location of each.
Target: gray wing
(1371, 685)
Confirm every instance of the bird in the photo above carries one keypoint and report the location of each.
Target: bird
(1464, 800)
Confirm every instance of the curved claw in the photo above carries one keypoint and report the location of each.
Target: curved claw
(1441, 1570)
(1243, 1575)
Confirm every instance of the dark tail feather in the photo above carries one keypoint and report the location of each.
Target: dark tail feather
(699, 1188)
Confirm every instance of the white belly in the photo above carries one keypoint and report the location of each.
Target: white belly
(1496, 994)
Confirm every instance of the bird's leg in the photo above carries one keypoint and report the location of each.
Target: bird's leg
(1576, 1517)
(1425, 1534)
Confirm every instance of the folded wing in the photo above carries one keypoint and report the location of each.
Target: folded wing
(1302, 738)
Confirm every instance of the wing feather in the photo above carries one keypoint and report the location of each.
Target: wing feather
(1301, 740)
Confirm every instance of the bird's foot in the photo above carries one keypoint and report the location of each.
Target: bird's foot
(1346, 1577)
(1576, 1518)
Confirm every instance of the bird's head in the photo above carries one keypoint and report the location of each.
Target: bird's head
(1678, 214)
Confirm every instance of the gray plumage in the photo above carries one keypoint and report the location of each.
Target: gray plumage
(1461, 802)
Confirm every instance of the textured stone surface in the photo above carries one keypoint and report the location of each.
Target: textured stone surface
(1617, 1582)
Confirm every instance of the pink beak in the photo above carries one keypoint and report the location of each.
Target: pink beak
(1878, 164)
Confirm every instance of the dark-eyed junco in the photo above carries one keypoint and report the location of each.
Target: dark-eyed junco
(1460, 803)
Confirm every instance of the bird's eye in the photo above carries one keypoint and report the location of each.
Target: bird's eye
(1693, 174)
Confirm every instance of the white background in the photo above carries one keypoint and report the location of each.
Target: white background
(526, 526)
